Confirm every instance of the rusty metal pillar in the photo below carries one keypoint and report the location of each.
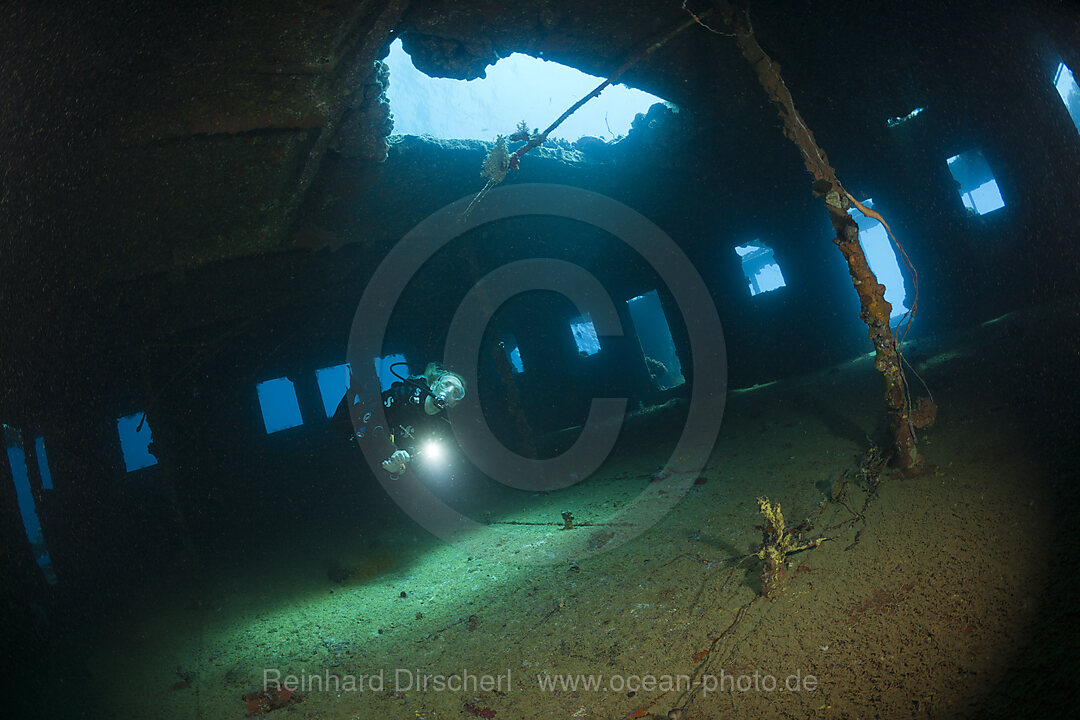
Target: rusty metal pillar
(875, 309)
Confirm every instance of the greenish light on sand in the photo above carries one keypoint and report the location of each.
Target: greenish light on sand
(759, 386)
(998, 319)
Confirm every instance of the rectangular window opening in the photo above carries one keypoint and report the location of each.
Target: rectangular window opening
(333, 384)
(882, 258)
(588, 343)
(1065, 84)
(977, 186)
(24, 498)
(135, 438)
(513, 352)
(654, 335)
(382, 368)
(280, 409)
(43, 464)
(760, 267)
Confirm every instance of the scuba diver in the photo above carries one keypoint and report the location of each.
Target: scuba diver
(413, 406)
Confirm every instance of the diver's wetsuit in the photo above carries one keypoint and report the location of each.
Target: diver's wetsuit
(407, 424)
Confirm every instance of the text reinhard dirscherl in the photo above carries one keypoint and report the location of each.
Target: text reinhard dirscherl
(415, 680)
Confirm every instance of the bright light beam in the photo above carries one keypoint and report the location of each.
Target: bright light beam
(433, 453)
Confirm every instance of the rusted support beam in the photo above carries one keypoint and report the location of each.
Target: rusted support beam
(875, 309)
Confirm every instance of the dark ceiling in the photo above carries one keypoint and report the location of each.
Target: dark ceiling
(143, 137)
(149, 139)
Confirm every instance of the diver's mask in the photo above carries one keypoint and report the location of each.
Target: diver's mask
(446, 392)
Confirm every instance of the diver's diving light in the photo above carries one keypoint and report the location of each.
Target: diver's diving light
(433, 452)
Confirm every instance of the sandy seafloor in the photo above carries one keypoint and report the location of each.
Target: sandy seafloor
(953, 595)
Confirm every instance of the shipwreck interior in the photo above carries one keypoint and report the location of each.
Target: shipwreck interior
(195, 196)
